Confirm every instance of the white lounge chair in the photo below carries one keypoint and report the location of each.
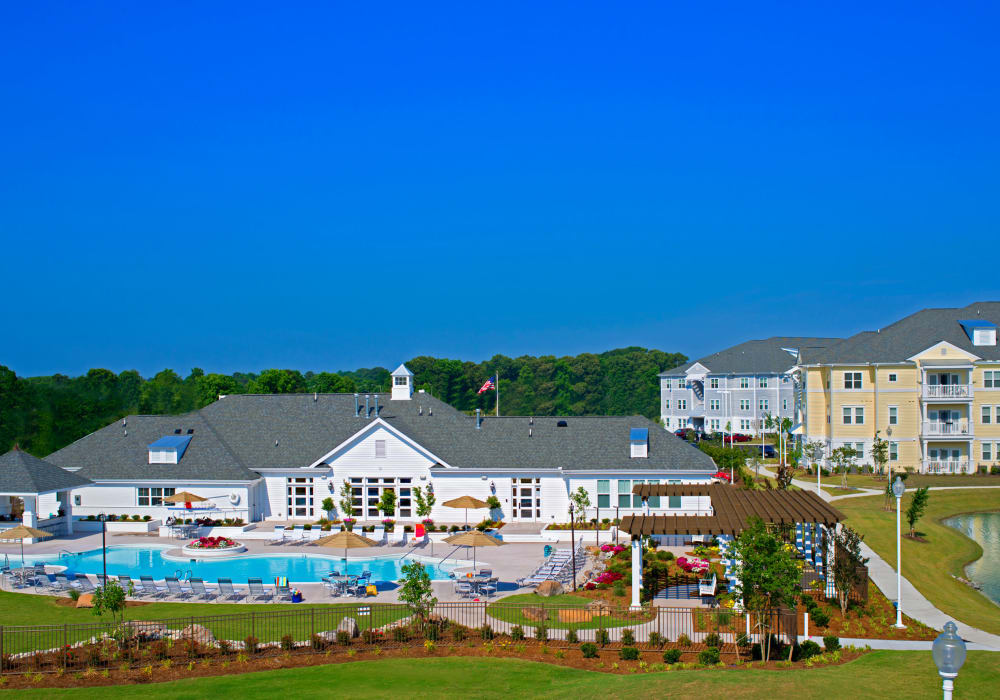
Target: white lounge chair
(379, 534)
(706, 586)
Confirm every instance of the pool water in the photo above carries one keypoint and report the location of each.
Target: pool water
(984, 528)
(298, 568)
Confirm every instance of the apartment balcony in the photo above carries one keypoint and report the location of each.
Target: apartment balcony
(947, 392)
(948, 466)
(957, 429)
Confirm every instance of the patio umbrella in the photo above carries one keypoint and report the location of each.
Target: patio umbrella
(466, 502)
(22, 533)
(473, 538)
(347, 540)
(184, 497)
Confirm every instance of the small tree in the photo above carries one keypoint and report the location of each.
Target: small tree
(328, 505)
(889, 495)
(880, 453)
(387, 503)
(581, 501)
(842, 457)
(814, 450)
(916, 508)
(495, 507)
(346, 501)
(767, 577)
(846, 563)
(425, 501)
(110, 598)
(416, 591)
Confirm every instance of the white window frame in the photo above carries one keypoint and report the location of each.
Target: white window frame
(892, 377)
(744, 404)
(682, 404)
(987, 451)
(744, 382)
(763, 404)
(893, 415)
(380, 449)
(761, 382)
(986, 415)
(852, 415)
(713, 383)
(714, 404)
(893, 451)
(852, 381)
(666, 404)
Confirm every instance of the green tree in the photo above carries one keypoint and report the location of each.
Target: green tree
(387, 503)
(880, 453)
(846, 564)
(916, 508)
(581, 502)
(346, 501)
(425, 501)
(328, 505)
(279, 381)
(842, 459)
(331, 383)
(767, 576)
(416, 592)
(110, 599)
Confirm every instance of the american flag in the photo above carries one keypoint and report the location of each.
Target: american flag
(491, 383)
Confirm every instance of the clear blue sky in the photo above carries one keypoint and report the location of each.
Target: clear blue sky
(247, 185)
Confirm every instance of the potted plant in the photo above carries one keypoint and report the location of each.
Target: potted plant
(328, 507)
(349, 523)
(389, 524)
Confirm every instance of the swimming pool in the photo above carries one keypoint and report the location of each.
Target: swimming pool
(297, 567)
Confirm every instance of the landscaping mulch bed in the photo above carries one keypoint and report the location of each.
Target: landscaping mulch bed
(876, 621)
(607, 662)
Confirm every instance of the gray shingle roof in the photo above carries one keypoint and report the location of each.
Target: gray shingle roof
(910, 336)
(24, 473)
(755, 356)
(241, 433)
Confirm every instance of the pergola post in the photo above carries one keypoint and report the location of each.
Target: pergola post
(67, 506)
(636, 569)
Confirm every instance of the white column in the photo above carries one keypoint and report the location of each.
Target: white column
(636, 569)
(29, 516)
(68, 509)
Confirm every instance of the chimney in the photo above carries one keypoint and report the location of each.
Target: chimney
(357, 408)
(367, 404)
(478, 418)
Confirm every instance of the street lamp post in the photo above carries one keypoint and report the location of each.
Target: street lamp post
(572, 540)
(948, 651)
(104, 545)
(597, 527)
(897, 491)
(817, 455)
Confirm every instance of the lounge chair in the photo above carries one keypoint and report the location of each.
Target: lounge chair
(201, 592)
(175, 588)
(227, 592)
(298, 537)
(378, 534)
(283, 592)
(83, 583)
(149, 587)
(126, 582)
(398, 538)
(278, 537)
(257, 590)
(62, 582)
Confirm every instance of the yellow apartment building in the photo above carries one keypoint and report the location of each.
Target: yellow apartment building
(929, 384)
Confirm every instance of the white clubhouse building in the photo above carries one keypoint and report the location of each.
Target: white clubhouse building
(277, 457)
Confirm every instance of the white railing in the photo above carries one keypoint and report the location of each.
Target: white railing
(947, 466)
(940, 428)
(947, 391)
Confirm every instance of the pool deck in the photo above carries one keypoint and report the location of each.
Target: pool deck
(509, 562)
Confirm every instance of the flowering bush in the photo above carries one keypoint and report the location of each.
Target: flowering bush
(608, 577)
(213, 543)
(692, 566)
(613, 548)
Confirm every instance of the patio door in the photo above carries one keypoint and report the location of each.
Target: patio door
(526, 499)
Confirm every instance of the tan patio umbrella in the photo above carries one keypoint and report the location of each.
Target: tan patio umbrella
(22, 533)
(185, 497)
(473, 538)
(466, 502)
(347, 540)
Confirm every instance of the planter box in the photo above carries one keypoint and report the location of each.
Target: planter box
(117, 526)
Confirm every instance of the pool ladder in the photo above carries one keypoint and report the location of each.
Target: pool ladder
(182, 575)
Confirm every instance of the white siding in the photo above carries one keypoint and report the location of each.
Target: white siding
(123, 500)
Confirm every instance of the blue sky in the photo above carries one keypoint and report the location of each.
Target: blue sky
(241, 185)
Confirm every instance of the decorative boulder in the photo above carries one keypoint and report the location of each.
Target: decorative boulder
(599, 607)
(198, 633)
(547, 589)
(349, 625)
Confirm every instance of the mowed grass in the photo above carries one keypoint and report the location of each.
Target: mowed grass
(947, 551)
(913, 481)
(509, 610)
(881, 673)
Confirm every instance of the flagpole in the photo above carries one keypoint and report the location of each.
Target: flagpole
(498, 394)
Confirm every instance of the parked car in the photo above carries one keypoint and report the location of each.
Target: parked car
(682, 433)
(740, 437)
(750, 448)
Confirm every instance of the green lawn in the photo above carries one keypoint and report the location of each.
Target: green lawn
(912, 481)
(509, 609)
(927, 565)
(893, 674)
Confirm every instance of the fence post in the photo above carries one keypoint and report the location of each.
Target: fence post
(65, 644)
(312, 623)
(253, 624)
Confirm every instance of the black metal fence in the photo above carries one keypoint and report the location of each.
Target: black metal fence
(343, 627)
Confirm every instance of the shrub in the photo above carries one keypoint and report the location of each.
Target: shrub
(136, 517)
(684, 641)
(542, 633)
(709, 657)
(819, 617)
(589, 650)
(602, 637)
(619, 589)
(287, 642)
(158, 649)
(307, 526)
(628, 654)
(713, 640)
(343, 637)
(742, 640)
(664, 555)
(317, 642)
(453, 528)
(809, 648)
(250, 644)
(147, 518)
(571, 637)
(487, 632)
(656, 639)
(672, 656)
(628, 638)
(831, 642)
(994, 470)
(74, 594)
(517, 633)
(401, 634)
(458, 633)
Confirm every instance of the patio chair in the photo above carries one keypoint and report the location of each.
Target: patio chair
(200, 591)
(378, 534)
(257, 590)
(485, 573)
(490, 587)
(463, 589)
(228, 592)
(126, 582)
(175, 589)
(332, 587)
(83, 583)
(283, 592)
(706, 586)
(149, 587)
(62, 582)
(277, 538)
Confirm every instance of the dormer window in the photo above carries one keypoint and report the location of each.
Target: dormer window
(401, 381)
(169, 449)
(639, 443)
(980, 332)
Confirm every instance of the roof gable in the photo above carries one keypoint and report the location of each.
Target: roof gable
(943, 351)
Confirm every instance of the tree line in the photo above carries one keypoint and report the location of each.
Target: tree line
(43, 414)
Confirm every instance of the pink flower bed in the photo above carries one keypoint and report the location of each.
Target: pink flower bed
(613, 548)
(692, 566)
(213, 543)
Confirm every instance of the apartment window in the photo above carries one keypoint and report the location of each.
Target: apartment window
(763, 405)
(991, 380)
(683, 422)
(682, 404)
(744, 382)
(713, 382)
(673, 501)
(744, 424)
(603, 493)
(762, 382)
(893, 451)
(859, 447)
(666, 383)
(987, 417)
(987, 452)
(854, 415)
(654, 501)
(744, 404)
(784, 404)
(713, 424)
(666, 422)
(713, 404)
(666, 404)
(852, 380)
(893, 415)
(636, 498)
(624, 493)
(152, 496)
(680, 384)
(380, 448)
(892, 377)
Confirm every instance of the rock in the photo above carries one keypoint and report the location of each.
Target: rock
(148, 629)
(349, 625)
(85, 601)
(536, 614)
(547, 589)
(198, 633)
(599, 607)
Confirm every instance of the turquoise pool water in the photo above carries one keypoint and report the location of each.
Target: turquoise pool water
(298, 568)
(984, 528)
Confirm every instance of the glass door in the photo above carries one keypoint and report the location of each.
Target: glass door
(526, 499)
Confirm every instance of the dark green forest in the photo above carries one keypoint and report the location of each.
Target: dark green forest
(43, 414)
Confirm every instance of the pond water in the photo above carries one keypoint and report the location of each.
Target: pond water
(984, 528)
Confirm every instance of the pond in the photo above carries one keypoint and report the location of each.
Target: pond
(984, 528)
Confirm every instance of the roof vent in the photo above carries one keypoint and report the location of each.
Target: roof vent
(479, 418)
(315, 396)
(430, 411)
(561, 424)
(275, 442)
(529, 432)
(420, 410)
(531, 420)
(177, 431)
(190, 431)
